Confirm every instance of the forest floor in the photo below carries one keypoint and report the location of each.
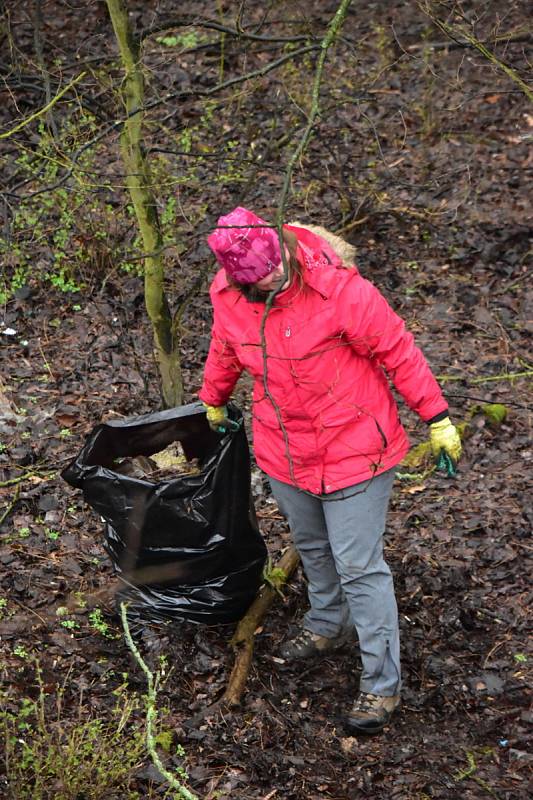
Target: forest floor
(460, 549)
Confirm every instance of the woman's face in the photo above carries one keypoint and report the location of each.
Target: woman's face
(274, 279)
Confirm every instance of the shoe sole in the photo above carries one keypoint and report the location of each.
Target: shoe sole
(352, 726)
(355, 730)
(317, 653)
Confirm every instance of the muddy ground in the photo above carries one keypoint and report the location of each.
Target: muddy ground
(426, 174)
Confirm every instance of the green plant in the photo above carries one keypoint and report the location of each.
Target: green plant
(274, 576)
(81, 602)
(164, 740)
(50, 757)
(7, 609)
(70, 624)
(186, 40)
(99, 624)
(52, 534)
(67, 234)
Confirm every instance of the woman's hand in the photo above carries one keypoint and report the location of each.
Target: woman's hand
(218, 420)
(445, 444)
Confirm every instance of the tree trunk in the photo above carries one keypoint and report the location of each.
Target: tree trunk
(138, 182)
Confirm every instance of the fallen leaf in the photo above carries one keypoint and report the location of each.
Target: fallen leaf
(349, 744)
(67, 420)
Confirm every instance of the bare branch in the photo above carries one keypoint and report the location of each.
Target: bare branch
(197, 22)
(118, 124)
(452, 33)
(43, 110)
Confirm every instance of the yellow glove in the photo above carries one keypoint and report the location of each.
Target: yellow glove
(445, 440)
(218, 420)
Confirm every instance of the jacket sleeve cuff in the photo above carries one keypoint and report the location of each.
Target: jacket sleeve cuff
(211, 399)
(438, 417)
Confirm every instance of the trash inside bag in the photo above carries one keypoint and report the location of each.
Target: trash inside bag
(180, 526)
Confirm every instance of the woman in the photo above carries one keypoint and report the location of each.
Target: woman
(326, 428)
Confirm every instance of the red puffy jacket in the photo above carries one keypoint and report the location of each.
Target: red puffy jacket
(323, 413)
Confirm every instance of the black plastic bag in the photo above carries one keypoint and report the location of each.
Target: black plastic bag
(187, 548)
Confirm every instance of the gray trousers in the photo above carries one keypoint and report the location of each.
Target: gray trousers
(339, 537)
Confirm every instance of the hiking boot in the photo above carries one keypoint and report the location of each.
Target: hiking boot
(370, 712)
(307, 645)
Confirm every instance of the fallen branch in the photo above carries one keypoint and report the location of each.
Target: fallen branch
(31, 474)
(243, 638)
(470, 772)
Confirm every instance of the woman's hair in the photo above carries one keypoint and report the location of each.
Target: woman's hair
(255, 295)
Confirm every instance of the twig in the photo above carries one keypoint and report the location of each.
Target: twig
(470, 771)
(493, 650)
(9, 508)
(22, 478)
(525, 406)
(30, 610)
(333, 30)
(43, 110)
(151, 711)
(455, 44)
(38, 40)
(508, 376)
(354, 224)
(46, 364)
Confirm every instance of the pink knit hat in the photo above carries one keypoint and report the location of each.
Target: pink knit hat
(247, 253)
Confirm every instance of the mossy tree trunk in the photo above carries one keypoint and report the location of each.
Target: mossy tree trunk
(138, 182)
